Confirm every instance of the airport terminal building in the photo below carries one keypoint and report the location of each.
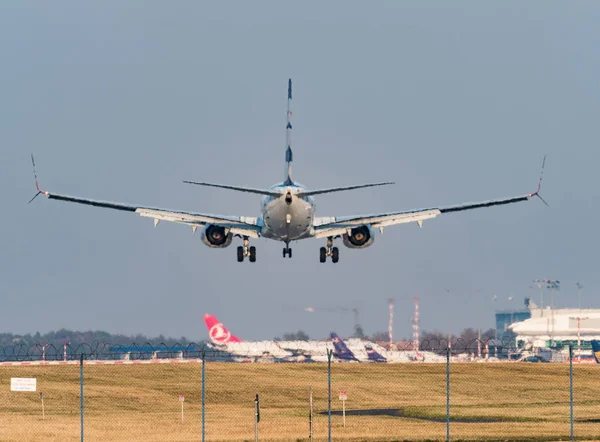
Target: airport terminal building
(558, 328)
(536, 327)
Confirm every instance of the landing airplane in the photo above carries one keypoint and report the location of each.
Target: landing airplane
(288, 214)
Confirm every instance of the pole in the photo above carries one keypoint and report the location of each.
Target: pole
(391, 321)
(43, 412)
(448, 394)
(181, 411)
(203, 392)
(310, 414)
(344, 412)
(257, 417)
(81, 393)
(64, 351)
(579, 339)
(329, 352)
(571, 388)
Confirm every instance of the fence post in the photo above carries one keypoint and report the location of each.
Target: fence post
(256, 417)
(81, 393)
(203, 391)
(571, 388)
(310, 414)
(329, 353)
(448, 394)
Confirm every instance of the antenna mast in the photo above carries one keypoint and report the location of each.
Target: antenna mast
(415, 324)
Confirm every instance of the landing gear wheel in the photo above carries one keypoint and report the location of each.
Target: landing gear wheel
(287, 252)
(335, 255)
(322, 254)
(240, 254)
(252, 254)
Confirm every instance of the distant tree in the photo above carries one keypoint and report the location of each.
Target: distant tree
(359, 332)
(298, 336)
(380, 336)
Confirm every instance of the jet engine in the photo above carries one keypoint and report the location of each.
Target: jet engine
(216, 237)
(359, 237)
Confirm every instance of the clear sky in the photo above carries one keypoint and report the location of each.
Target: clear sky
(454, 101)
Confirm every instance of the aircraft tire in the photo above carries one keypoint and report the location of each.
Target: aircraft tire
(335, 255)
(323, 254)
(240, 254)
(252, 254)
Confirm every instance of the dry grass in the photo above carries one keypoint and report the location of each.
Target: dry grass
(125, 403)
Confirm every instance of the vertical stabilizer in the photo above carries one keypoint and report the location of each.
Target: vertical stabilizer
(596, 350)
(341, 351)
(289, 157)
(217, 332)
(373, 355)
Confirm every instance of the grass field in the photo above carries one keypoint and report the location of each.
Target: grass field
(131, 403)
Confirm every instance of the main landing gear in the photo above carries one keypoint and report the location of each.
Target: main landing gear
(246, 251)
(287, 251)
(334, 252)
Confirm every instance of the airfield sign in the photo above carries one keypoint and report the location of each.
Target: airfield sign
(23, 384)
(343, 398)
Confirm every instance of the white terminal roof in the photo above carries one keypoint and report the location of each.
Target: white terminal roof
(559, 324)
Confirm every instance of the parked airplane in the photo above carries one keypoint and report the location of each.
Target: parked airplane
(596, 350)
(288, 214)
(280, 351)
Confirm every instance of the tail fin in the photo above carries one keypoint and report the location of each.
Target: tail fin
(289, 157)
(341, 351)
(596, 350)
(217, 331)
(373, 355)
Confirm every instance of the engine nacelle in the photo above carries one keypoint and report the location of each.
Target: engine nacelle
(216, 237)
(359, 237)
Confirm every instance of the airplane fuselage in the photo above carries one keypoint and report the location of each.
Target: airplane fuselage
(288, 217)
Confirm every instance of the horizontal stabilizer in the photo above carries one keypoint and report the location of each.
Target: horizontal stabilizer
(236, 188)
(340, 189)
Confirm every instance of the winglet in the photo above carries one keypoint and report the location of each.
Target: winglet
(37, 186)
(537, 192)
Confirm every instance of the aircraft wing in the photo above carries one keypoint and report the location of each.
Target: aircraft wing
(340, 225)
(241, 225)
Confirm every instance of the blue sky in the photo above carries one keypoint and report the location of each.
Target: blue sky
(455, 102)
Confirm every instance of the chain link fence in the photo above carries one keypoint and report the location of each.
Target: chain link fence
(198, 393)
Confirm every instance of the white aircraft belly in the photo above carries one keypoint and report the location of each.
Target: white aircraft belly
(287, 222)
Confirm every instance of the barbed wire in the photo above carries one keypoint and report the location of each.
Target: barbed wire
(305, 351)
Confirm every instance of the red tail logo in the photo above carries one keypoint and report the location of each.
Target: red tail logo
(217, 332)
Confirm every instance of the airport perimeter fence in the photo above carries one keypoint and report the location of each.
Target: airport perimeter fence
(199, 393)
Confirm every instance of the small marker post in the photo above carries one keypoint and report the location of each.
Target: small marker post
(43, 412)
(343, 398)
(181, 399)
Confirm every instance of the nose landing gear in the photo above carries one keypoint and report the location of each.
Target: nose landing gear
(334, 252)
(246, 251)
(287, 251)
